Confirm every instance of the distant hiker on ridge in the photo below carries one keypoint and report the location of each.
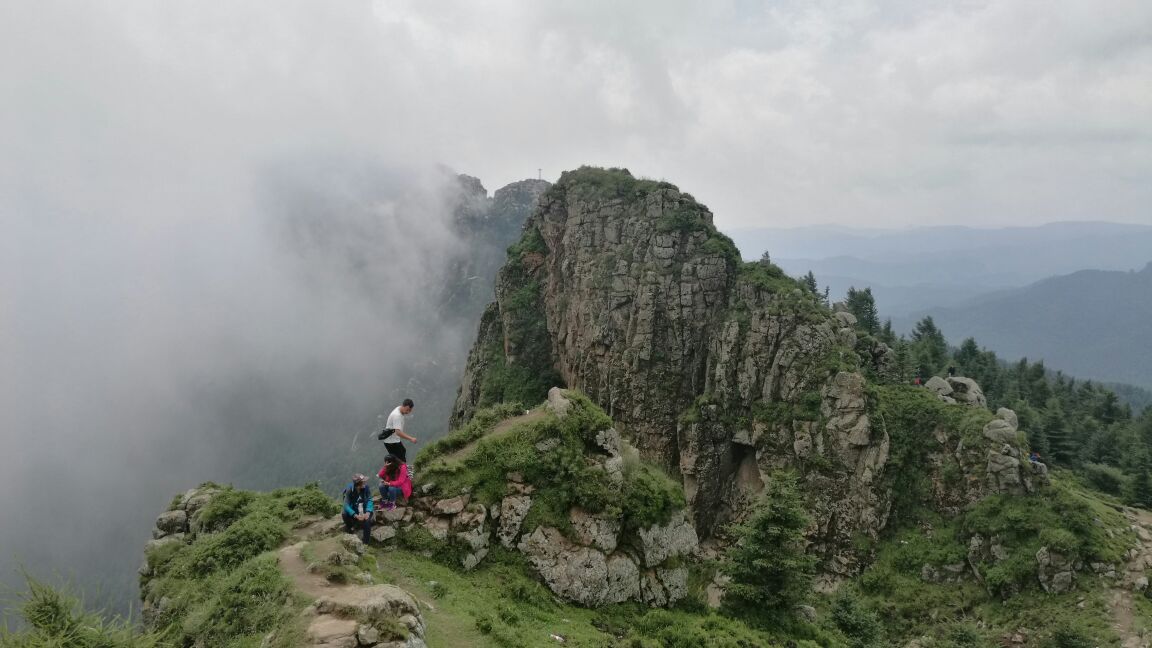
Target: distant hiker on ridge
(393, 431)
(357, 513)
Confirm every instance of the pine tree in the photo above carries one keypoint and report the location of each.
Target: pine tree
(887, 335)
(1061, 445)
(768, 565)
(1141, 493)
(809, 282)
(929, 346)
(861, 304)
(968, 357)
(1038, 442)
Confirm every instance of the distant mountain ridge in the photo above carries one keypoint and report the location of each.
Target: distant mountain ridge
(1093, 324)
(921, 268)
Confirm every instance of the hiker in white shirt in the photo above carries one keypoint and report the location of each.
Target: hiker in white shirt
(394, 431)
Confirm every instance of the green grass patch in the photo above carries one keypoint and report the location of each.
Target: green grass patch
(565, 476)
(224, 588)
(480, 424)
(501, 604)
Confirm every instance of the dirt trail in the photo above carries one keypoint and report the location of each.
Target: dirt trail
(1123, 606)
(502, 428)
(295, 567)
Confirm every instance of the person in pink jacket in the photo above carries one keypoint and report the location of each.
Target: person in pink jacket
(394, 481)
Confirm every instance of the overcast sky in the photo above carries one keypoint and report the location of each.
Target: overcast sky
(773, 113)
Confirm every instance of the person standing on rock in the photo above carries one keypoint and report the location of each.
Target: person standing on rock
(393, 431)
(357, 513)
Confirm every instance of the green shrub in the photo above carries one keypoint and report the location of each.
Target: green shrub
(292, 503)
(1107, 479)
(225, 508)
(252, 535)
(964, 635)
(56, 619)
(649, 497)
(531, 242)
(162, 556)
(860, 625)
(248, 601)
(1060, 540)
(1067, 635)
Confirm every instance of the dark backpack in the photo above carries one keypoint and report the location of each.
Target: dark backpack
(385, 433)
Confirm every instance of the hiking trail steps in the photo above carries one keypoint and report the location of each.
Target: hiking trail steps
(346, 615)
(1127, 623)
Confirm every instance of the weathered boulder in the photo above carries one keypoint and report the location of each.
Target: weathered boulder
(557, 402)
(376, 601)
(1004, 472)
(595, 531)
(353, 544)
(845, 318)
(1055, 571)
(438, 527)
(1000, 431)
(450, 506)
(382, 533)
(471, 530)
(660, 542)
(580, 574)
(332, 631)
(1008, 416)
(939, 386)
(513, 510)
(662, 587)
(172, 522)
(965, 390)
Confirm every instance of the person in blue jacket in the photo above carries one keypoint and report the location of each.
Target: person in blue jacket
(357, 511)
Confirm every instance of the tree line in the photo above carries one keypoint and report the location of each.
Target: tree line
(1074, 424)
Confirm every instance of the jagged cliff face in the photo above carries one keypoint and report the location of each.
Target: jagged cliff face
(720, 371)
(488, 225)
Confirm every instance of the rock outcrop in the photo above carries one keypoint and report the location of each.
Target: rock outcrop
(589, 558)
(720, 371)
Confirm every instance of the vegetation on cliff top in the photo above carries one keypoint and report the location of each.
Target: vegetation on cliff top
(564, 475)
(225, 588)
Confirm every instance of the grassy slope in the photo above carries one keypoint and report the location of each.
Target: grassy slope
(501, 605)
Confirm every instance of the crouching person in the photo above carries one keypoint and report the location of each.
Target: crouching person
(357, 511)
(394, 481)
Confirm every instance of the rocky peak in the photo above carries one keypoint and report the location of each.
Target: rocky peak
(719, 370)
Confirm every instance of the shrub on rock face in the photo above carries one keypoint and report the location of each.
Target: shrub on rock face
(292, 503)
(768, 566)
(224, 509)
(649, 497)
(249, 537)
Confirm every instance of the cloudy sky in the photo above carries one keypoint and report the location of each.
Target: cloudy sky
(774, 113)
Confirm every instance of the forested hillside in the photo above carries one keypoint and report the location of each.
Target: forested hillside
(1091, 324)
(1073, 423)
